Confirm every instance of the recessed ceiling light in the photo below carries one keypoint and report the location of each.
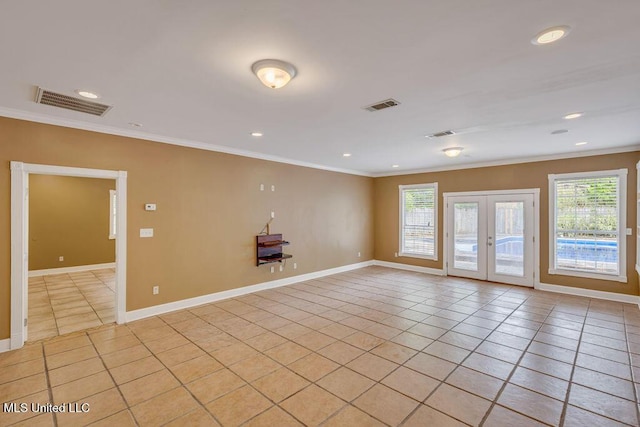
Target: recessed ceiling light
(395, 166)
(559, 131)
(87, 94)
(273, 73)
(135, 125)
(453, 151)
(346, 154)
(256, 133)
(551, 35)
(573, 116)
(582, 143)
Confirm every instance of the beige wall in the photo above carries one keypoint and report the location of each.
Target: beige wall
(518, 176)
(209, 211)
(69, 217)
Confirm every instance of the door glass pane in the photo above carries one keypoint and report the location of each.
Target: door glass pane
(509, 238)
(465, 236)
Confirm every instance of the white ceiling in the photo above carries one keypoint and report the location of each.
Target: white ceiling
(183, 70)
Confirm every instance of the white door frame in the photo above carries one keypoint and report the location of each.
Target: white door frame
(20, 238)
(536, 225)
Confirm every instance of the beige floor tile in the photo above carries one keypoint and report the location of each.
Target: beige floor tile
(231, 354)
(459, 404)
(324, 405)
(541, 383)
(411, 383)
(577, 417)
(74, 391)
(119, 343)
(394, 352)
(430, 365)
(475, 382)
(63, 344)
(14, 390)
(124, 356)
(196, 368)
(488, 365)
(287, 353)
(9, 418)
(352, 416)
(120, 419)
(604, 404)
(413, 341)
(532, 404)
(273, 417)
(346, 384)
(386, 404)
(24, 354)
(340, 352)
(280, 384)
(102, 405)
(198, 417)
(166, 343)
(211, 387)
(238, 406)
(372, 366)
(254, 367)
(501, 416)
(147, 387)
(134, 370)
(173, 404)
(313, 367)
(427, 416)
(42, 420)
(21, 370)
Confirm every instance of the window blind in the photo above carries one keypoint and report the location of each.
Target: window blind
(418, 220)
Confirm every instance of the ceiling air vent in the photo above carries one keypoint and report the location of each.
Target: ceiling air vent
(47, 97)
(440, 134)
(387, 103)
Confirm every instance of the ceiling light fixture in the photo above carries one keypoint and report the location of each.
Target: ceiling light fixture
(551, 35)
(395, 166)
(581, 143)
(256, 133)
(572, 116)
(453, 151)
(87, 94)
(273, 73)
(346, 154)
(135, 124)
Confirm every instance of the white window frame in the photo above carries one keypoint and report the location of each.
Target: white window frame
(401, 189)
(622, 224)
(112, 214)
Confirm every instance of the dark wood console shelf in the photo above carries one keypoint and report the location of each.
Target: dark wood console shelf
(269, 249)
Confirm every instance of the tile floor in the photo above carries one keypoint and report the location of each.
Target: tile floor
(370, 347)
(63, 303)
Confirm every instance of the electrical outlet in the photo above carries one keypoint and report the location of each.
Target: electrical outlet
(295, 265)
(261, 187)
(281, 268)
(146, 232)
(273, 188)
(156, 290)
(60, 258)
(358, 254)
(273, 214)
(273, 269)
(396, 255)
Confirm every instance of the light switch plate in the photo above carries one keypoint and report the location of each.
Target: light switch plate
(146, 232)
(150, 207)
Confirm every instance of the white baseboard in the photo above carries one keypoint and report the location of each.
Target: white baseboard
(5, 345)
(609, 296)
(232, 293)
(399, 266)
(74, 269)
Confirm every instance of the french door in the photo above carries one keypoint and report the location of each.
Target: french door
(491, 237)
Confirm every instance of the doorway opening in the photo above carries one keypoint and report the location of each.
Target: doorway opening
(20, 174)
(493, 236)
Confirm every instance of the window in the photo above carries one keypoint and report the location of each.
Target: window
(112, 214)
(587, 224)
(418, 220)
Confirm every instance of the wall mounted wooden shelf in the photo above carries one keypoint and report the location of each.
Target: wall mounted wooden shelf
(269, 249)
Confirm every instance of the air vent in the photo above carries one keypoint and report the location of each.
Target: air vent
(441, 134)
(47, 97)
(382, 105)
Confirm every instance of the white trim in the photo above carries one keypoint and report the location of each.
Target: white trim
(74, 269)
(492, 192)
(20, 238)
(5, 345)
(589, 293)
(232, 293)
(112, 215)
(401, 189)
(76, 124)
(408, 267)
(622, 175)
(511, 161)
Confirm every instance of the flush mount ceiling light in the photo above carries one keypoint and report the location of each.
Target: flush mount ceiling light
(551, 35)
(346, 154)
(273, 73)
(572, 116)
(581, 143)
(256, 133)
(395, 166)
(87, 94)
(453, 151)
(135, 124)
